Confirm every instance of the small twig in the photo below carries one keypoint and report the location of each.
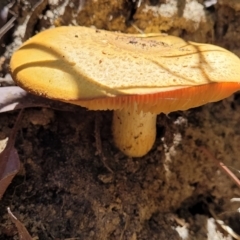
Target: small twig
(81, 4)
(125, 226)
(99, 142)
(22, 231)
(180, 221)
(7, 26)
(221, 166)
(36, 11)
(137, 28)
(4, 15)
(223, 225)
(235, 179)
(6, 81)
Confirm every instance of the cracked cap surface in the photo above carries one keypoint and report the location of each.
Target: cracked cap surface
(99, 69)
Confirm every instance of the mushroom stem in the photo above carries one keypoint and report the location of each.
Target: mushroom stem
(134, 131)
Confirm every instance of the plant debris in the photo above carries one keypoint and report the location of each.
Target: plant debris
(22, 231)
(9, 159)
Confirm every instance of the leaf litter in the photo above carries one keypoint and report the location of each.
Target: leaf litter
(15, 98)
(22, 231)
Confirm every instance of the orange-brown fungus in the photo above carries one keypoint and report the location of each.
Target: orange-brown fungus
(180, 99)
(137, 76)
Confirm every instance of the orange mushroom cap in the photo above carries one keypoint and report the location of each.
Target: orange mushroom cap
(98, 69)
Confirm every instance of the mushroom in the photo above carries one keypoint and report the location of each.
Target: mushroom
(137, 76)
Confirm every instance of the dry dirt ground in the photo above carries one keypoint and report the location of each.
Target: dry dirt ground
(74, 184)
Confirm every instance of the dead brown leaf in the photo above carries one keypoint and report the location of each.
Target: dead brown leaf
(22, 231)
(9, 159)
